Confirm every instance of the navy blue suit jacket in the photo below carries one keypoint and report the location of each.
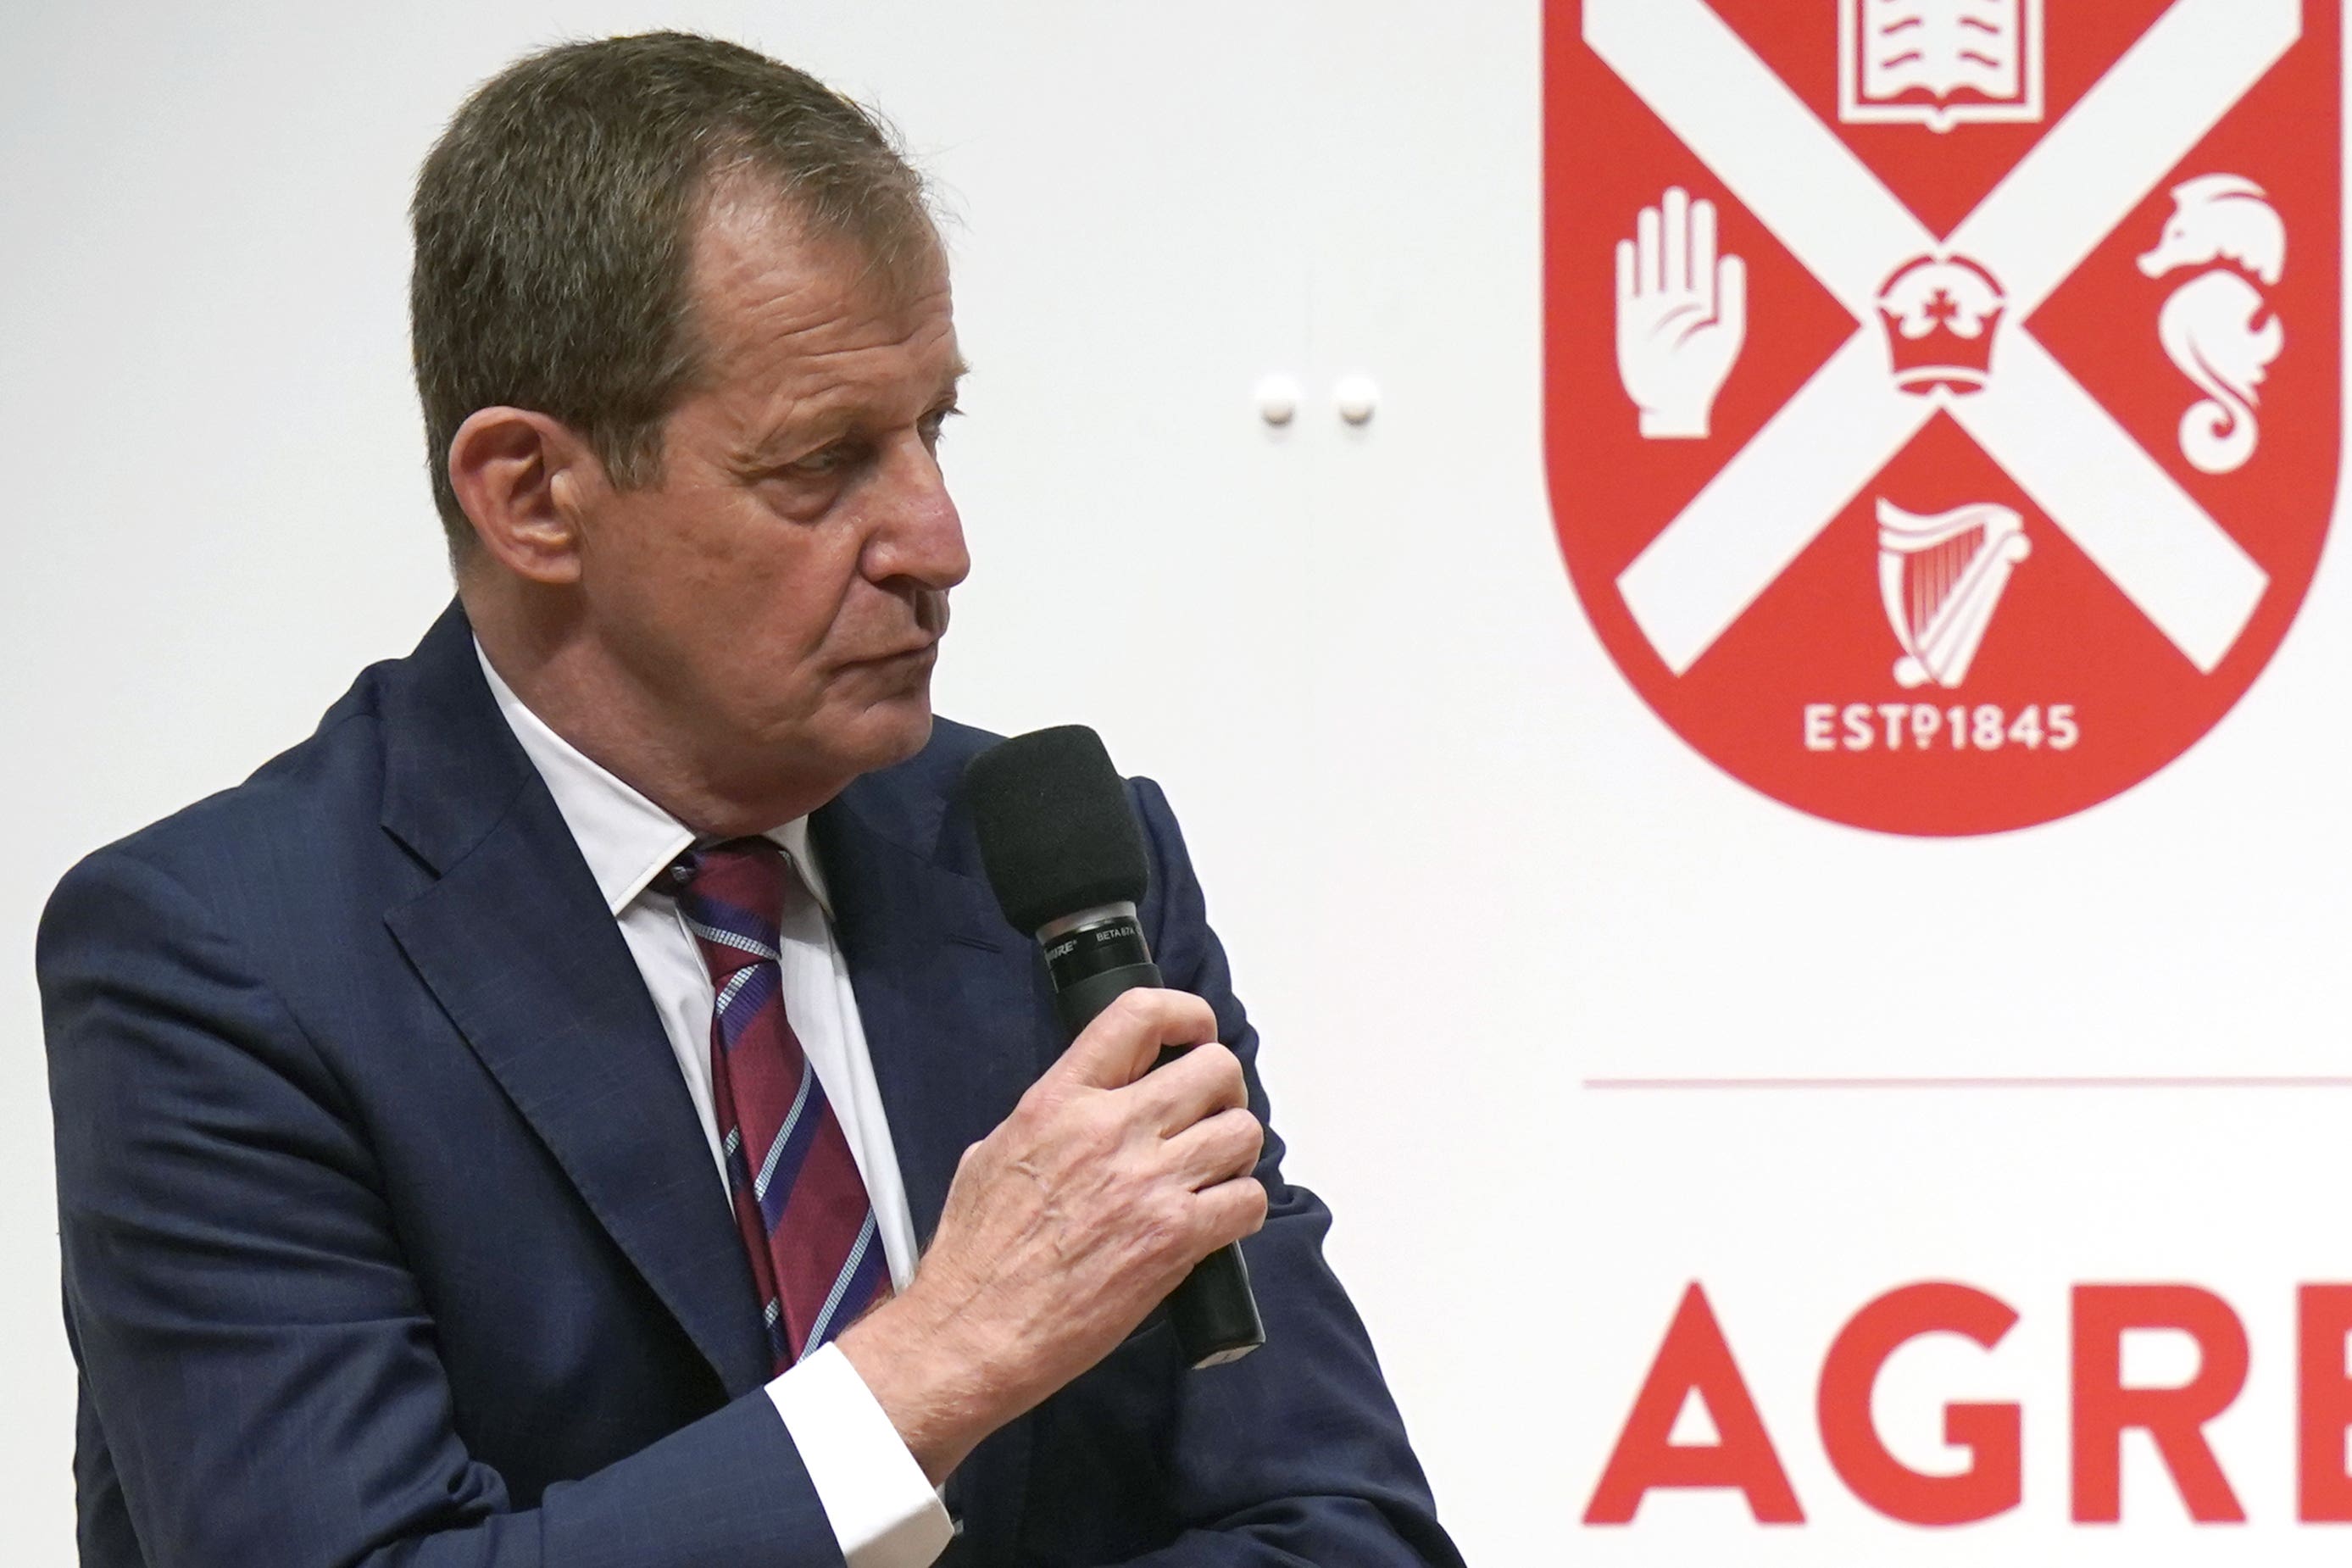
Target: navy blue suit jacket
(389, 1236)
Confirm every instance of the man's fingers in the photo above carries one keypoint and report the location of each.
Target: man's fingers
(1120, 1045)
(1196, 1085)
(1231, 1210)
(1220, 1149)
(1653, 253)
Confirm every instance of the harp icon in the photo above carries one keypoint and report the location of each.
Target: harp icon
(1942, 578)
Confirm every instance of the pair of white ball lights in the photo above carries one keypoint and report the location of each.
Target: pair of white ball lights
(1353, 397)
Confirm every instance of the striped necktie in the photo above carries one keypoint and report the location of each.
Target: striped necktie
(806, 1224)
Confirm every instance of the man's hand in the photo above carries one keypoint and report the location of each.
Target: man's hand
(1066, 1226)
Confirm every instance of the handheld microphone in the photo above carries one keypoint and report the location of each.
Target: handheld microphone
(1067, 860)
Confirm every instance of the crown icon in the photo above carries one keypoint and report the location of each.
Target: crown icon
(1941, 314)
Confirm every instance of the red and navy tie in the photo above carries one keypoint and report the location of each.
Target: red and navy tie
(806, 1223)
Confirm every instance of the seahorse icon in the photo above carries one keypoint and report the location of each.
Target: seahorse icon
(2217, 328)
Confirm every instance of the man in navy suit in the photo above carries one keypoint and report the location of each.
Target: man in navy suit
(406, 1212)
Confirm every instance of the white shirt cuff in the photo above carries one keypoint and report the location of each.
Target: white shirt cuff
(883, 1511)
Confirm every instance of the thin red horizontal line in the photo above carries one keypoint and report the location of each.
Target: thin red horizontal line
(1672, 1084)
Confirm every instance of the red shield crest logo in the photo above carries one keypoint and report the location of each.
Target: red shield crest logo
(1942, 396)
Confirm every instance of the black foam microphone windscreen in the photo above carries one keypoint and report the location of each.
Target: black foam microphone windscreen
(1055, 833)
(1063, 851)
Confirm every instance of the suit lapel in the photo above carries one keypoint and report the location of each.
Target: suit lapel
(944, 995)
(515, 942)
(957, 1028)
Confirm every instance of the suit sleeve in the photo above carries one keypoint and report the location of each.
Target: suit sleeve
(253, 1347)
(1295, 1454)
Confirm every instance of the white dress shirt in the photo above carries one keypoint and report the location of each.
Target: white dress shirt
(883, 1510)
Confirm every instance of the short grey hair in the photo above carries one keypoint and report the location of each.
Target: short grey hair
(555, 219)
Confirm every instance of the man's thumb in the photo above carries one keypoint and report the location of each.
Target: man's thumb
(1122, 1042)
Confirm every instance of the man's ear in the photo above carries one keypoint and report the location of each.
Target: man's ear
(520, 475)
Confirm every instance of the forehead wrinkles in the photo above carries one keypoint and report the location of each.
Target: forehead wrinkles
(766, 293)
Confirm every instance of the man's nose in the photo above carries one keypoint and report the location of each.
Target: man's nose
(918, 536)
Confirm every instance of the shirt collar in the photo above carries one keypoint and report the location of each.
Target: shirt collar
(625, 838)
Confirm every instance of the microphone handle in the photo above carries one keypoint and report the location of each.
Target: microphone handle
(1214, 1311)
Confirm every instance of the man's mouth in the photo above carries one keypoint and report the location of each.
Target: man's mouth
(910, 653)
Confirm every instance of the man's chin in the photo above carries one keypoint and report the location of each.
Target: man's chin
(893, 731)
(915, 735)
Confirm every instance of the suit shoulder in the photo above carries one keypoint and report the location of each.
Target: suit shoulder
(300, 803)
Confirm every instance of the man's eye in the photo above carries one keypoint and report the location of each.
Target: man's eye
(934, 424)
(824, 461)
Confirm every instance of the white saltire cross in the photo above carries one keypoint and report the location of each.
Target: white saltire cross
(2050, 212)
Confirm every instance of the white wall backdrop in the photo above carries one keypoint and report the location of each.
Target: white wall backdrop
(1351, 655)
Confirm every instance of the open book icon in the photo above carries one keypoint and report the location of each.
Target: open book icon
(1940, 63)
